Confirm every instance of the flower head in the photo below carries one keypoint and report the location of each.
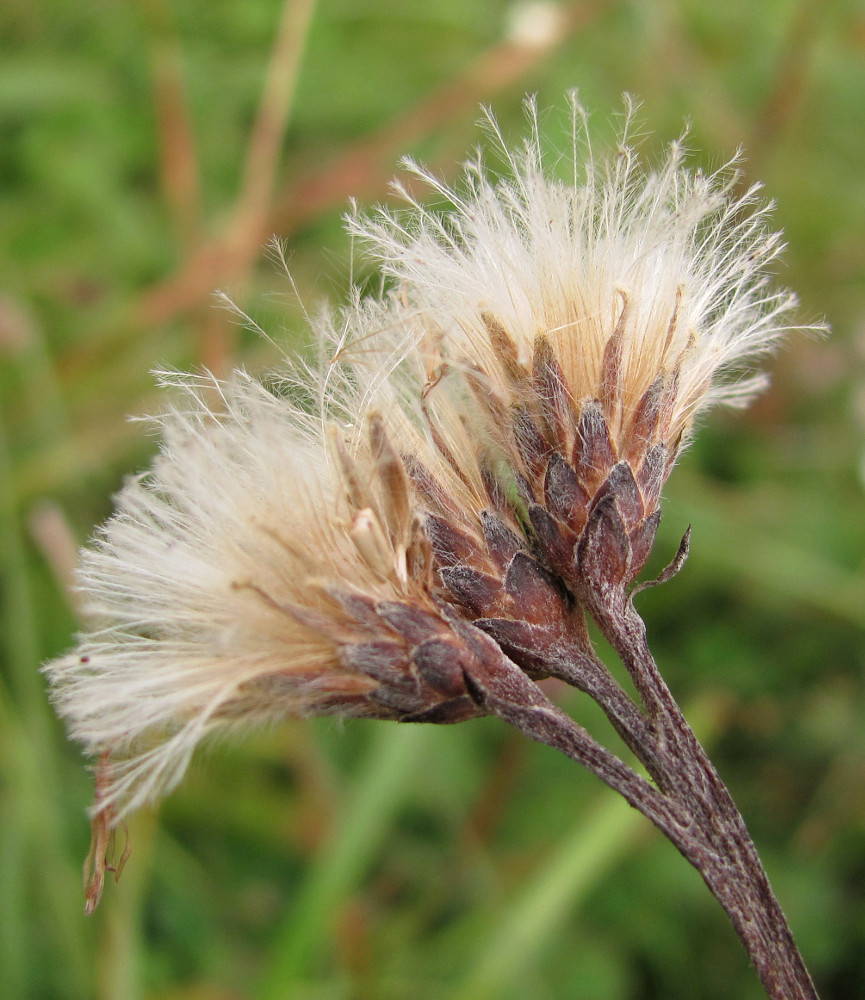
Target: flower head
(486, 443)
(579, 326)
(256, 571)
(661, 272)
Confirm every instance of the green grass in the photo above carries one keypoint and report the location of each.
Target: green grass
(321, 862)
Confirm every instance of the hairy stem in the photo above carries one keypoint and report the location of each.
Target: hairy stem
(589, 674)
(718, 845)
(505, 691)
(686, 799)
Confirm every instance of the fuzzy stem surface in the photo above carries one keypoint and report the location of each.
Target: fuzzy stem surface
(724, 853)
(686, 798)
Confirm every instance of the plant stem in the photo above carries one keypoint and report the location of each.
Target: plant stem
(726, 857)
(688, 801)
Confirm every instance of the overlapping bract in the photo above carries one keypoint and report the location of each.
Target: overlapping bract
(257, 570)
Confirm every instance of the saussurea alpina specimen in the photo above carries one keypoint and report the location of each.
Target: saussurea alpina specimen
(420, 526)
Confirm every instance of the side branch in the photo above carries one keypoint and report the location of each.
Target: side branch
(503, 689)
(724, 853)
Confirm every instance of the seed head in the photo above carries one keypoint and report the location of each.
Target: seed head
(578, 327)
(257, 571)
(486, 442)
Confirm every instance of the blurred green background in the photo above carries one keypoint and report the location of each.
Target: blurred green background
(147, 151)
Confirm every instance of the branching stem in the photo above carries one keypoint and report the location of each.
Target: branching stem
(686, 799)
(725, 856)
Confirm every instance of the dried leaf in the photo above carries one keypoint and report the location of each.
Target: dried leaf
(594, 453)
(502, 543)
(565, 497)
(551, 392)
(604, 551)
(439, 662)
(621, 486)
(479, 592)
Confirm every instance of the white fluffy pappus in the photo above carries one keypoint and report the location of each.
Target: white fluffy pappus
(213, 594)
(673, 262)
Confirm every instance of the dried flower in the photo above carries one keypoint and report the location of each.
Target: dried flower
(539, 363)
(253, 574)
(418, 527)
(475, 462)
(578, 328)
